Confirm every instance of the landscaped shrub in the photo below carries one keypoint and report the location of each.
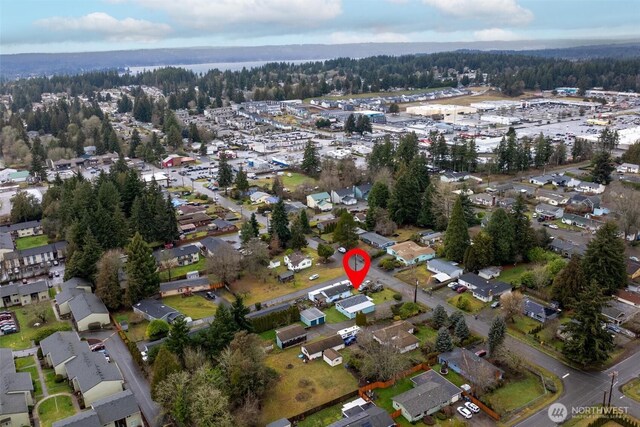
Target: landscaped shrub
(44, 333)
(58, 378)
(428, 420)
(462, 303)
(39, 354)
(157, 329)
(409, 309)
(441, 416)
(397, 297)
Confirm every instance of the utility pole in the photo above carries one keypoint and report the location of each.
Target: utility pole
(415, 293)
(613, 376)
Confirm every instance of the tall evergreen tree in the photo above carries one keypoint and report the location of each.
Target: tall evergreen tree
(225, 173)
(254, 225)
(523, 235)
(108, 280)
(310, 161)
(407, 149)
(280, 223)
(178, 339)
(500, 229)
(443, 341)
(588, 343)
(134, 143)
(345, 232)
(602, 167)
(427, 217)
(142, 277)
(418, 167)
(404, 206)
(242, 184)
(569, 283)
(497, 334)
(350, 124)
(246, 232)
(479, 254)
(298, 240)
(378, 196)
(83, 262)
(166, 363)
(38, 159)
(461, 330)
(604, 259)
(304, 222)
(456, 238)
(439, 317)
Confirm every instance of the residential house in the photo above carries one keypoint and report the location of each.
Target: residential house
(16, 392)
(444, 270)
(177, 256)
(618, 312)
(589, 187)
(212, 246)
(60, 348)
(541, 180)
(470, 366)
(19, 176)
(70, 289)
(223, 226)
(628, 297)
(290, 336)
(186, 211)
(33, 261)
(297, 261)
(410, 253)
(19, 294)
(633, 269)
(88, 312)
(628, 168)
(584, 203)
(265, 311)
(482, 289)
(23, 229)
(489, 273)
(6, 244)
(366, 416)
(294, 207)
(184, 286)
(521, 189)
(376, 240)
(285, 276)
(323, 225)
(312, 317)
(549, 212)
(506, 203)
(117, 410)
(539, 312)
(343, 196)
(315, 349)
(355, 304)
(560, 180)
(454, 176)
(582, 222)
(152, 309)
(332, 357)
(552, 198)
(320, 201)
(430, 393)
(94, 377)
(483, 199)
(399, 335)
(194, 220)
(566, 249)
(361, 192)
(431, 237)
(259, 197)
(331, 293)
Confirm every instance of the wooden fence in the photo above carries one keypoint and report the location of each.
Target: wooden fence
(362, 391)
(482, 406)
(325, 405)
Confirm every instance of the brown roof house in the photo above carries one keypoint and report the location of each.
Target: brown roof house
(399, 335)
(316, 349)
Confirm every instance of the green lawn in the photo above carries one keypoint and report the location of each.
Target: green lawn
(22, 339)
(290, 182)
(410, 275)
(31, 242)
(382, 296)
(28, 364)
(512, 274)
(425, 333)
(269, 335)
(195, 306)
(54, 409)
(524, 324)
(384, 395)
(632, 389)
(52, 386)
(473, 304)
(323, 418)
(137, 326)
(22, 362)
(453, 377)
(183, 270)
(334, 316)
(302, 386)
(515, 393)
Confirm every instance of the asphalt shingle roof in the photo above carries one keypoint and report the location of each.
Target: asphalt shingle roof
(86, 304)
(115, 407)
(62, 346)
(90, 369)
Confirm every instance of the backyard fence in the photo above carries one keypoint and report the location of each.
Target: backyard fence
(325, 405)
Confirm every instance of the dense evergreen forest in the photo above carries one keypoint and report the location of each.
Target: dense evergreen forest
(510, 72)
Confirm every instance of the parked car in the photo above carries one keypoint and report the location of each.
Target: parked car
(144, 355)
(314, 276)
(464, 412)
(106, 355)
(461, 289)
(210, 295)
(377, 288)
(453, 285)
(472, 407)
(495, 304)
(342, 250)
(97, 347)
(350, 340)
(553, 226)
(57, 274)
(481, 353)
(9, 331)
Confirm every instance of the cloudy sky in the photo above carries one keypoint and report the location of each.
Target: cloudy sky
(91, 25)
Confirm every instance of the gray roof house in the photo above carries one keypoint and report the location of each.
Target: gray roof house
(549, 211)
(440, 266)
(16, 392)
(467, 364)
(152, 309)
(618, 312)
(179, 286)
(539, 312)
(60, 348)
(118, 409)
(94, 377)
(431, 392)
(89, 312)
(372, 416)
(376, 240)
(214, 245)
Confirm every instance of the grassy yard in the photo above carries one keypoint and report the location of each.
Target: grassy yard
(473, 305)
(302, 386)
(382, 296)
(333, 315)
(405, 233)
(28, 364)
(410, 275)
(269, 335)
(31, 242)
(323, 418)
(451, 376)
(52, 386)
(515, 393)
(290, 182)
(632, 389)
(54, 409)
(22, 339)
(426, 334)
(195, 306)
(524, 324)
(512, 274)
(137, 325)
(183, 270)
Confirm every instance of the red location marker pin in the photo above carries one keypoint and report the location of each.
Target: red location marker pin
(356, 276)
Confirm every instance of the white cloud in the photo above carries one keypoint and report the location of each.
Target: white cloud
(495, 34)
(104, 25)
(503, 11)
(214, 15)
(341, 37)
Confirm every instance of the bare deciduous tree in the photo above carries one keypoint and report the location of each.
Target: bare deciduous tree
(380, 362)
(40, 311)
(512, 304)
(256, 258)
(626, 204)
(224, 266)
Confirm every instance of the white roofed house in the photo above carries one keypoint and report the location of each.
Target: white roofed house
(297, 261)
(549, 211)
(589, 187)
(259, 197)
(443, 269)
(628, 168)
